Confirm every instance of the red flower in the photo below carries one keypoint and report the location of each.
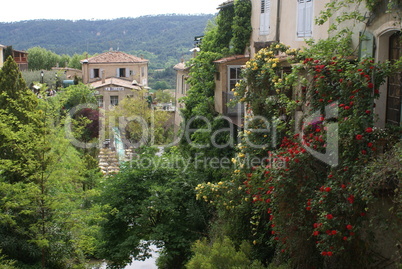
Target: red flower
(334, 232)
(370, 85)
(315, 233)
(369, 144)
(368, 111)
(328, 189)
(359, 137)
(349, 227)
(324, 253)
(329, 216)
(364, 152)
(308, 208)
(351, 199)
(369, 130)
(329, 253)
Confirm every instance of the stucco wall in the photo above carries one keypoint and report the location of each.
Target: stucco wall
(141, 76)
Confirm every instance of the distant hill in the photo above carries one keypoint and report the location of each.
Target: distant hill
(163, 39)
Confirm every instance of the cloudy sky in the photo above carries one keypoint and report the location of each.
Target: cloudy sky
(90, 9)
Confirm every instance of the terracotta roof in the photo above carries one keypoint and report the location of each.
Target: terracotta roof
(115, 81)
(115, 57)
(232, 58)
(66, 69)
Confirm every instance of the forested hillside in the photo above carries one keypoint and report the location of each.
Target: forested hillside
(163, 39)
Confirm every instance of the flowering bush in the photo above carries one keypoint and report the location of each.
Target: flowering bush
(316, 210)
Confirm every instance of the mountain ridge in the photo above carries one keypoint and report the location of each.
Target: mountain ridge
(163, 38)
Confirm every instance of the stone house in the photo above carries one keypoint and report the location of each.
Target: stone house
(109, 92)
(115, 64)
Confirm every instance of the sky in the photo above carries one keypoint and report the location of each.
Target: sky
(91, 9)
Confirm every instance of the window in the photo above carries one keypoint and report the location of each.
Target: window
(114, 100)
(394, 91)
(304, 18)
(234, 75)
(183, 85)
(264, 17)
(95, 73)
(122, 72)
(100, 100)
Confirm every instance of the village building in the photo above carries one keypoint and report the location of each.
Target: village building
(20, 57)
(115, 64)
(109, 92)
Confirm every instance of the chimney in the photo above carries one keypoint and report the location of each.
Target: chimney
(103, 76)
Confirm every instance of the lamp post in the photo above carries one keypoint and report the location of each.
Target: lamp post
(41, 76)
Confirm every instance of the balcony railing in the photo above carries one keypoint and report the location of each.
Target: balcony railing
(237, 110)
(20, 59)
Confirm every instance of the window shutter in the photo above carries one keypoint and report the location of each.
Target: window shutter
(118, 72)
(265, 17)
(301, 8)
(127, 72)
(92, 75)
(308, 30)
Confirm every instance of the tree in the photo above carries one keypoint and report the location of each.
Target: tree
(42, 193)
(152, 199)
(42, 59)
(20, 121)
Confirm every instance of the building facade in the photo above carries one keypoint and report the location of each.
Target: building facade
(115, 64)
(109, 92)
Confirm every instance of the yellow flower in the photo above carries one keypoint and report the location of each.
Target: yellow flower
(277, 46)
(273, 65)
(236, 93)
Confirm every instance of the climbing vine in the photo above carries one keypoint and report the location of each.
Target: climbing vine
(306, 184)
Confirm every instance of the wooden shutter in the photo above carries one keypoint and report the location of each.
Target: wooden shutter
(304, 18)
(92, 75)
(127, 72)
(301, 9)
(308, 30)
(118, 72)
(265, 17)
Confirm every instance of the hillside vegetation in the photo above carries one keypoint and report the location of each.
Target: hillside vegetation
(163, 39)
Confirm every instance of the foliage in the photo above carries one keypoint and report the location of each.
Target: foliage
(52, 79)
(142, 125)
(328, 209)
(153, 199)
(221, 254)
(47, 218)
(166, 76)
(167, 37)
(241, 26)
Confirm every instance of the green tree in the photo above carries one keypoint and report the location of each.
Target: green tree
(42, 59)
(153, 199)
(19, 122)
